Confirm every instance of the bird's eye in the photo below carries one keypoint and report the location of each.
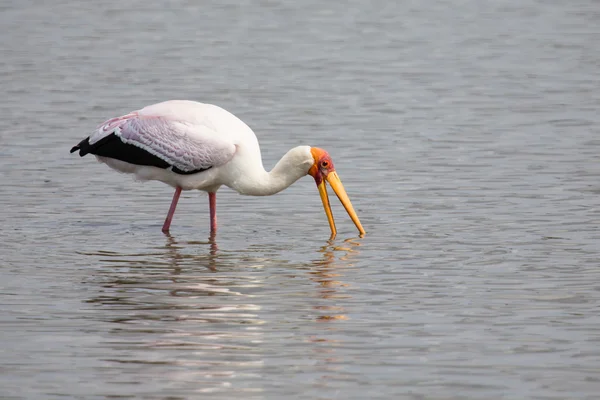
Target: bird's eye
(324, 164)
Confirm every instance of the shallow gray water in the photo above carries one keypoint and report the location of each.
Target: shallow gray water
(466, 134)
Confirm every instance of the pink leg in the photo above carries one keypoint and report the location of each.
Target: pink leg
(212, 200)
(169, 218)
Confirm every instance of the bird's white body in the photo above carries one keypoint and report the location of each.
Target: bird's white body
(219, 139)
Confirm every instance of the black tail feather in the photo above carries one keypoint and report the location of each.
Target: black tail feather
(83, 147)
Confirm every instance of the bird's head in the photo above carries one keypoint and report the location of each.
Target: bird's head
(322, 170)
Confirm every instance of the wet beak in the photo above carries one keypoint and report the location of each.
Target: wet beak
(338, 188)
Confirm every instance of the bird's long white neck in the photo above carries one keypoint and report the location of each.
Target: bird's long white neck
(254, 180)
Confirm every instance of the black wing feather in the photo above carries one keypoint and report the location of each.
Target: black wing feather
(112, 146)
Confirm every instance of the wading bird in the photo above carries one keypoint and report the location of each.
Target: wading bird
(190, 145)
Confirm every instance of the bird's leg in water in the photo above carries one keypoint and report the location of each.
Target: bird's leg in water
(169, 218)
(212, 200)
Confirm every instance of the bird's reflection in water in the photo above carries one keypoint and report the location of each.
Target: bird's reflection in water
(191, 304)
(173, 251)
(177, 305)
(328, 274)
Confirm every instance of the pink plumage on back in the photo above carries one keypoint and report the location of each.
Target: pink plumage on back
(174, 134)
(112, 123)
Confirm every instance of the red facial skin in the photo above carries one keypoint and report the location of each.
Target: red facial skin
(323, 165)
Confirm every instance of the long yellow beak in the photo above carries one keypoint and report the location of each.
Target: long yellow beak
(338, 188)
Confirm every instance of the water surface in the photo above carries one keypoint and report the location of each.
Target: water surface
(466, 134)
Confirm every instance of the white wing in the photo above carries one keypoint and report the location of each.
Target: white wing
(187, 144)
